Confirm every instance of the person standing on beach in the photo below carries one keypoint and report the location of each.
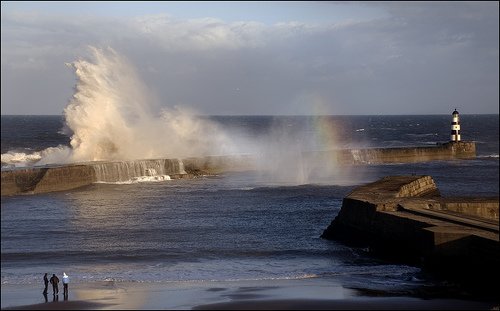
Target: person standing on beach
(46, 281)
(65, 281)
(54, 280)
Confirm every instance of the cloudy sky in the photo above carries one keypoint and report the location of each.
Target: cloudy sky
(262, 58)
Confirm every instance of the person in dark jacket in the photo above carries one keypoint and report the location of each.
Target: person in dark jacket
(46, 282)
(54, 280)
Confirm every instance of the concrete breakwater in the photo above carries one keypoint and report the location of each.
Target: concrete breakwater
(405, 218)
(46, 179)
(445, 151)
(66, 177)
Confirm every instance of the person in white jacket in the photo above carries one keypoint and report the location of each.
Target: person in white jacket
(65, 280)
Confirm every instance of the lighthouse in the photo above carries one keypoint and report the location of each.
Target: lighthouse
(455, 126)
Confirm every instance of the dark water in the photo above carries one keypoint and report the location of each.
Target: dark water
(35, 133)
(32, 133)
(236, 226)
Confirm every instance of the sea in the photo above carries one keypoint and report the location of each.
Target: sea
(235, 226)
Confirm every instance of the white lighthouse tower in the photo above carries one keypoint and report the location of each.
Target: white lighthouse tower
(455, 126)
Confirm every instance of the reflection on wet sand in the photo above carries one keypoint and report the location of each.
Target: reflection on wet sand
(110, 293)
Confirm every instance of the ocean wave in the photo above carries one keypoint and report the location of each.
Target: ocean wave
(79, 277)
(488, 156)
(136, 180)
(20, 159)
(275, 278)
(50, 155)
(270, 278)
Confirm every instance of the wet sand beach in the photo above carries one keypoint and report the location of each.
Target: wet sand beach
(395, 303)
(63, 305)
(241, 295)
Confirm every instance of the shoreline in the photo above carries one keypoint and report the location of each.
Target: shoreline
(301, 294)
(392, 303)
(400, 303)
(62, 305)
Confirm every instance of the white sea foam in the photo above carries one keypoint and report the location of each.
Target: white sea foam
(111, 117)
(140, 179)
(488, 156)
(20, 158)
(58, 154)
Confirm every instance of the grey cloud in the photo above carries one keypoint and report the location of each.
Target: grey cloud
(423, 58)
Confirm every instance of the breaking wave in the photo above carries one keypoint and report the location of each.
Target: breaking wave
(111, 117)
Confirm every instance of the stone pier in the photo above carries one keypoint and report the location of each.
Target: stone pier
(66, 177)
(404, 218)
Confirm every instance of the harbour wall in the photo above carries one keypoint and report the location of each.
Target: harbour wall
(404, 218)
(445, 151)
(46, 179)
(218, 164)
(65, 177)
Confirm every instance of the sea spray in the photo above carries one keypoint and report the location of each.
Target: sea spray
(294, 152)
(112, 116)
(137, 170)
(59, 154)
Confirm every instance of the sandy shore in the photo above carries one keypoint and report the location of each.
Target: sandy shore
(396, 303)
(243, 295)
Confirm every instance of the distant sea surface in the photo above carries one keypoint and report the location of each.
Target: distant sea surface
(235, 226)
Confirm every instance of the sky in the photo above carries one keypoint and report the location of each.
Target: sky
(262, 58)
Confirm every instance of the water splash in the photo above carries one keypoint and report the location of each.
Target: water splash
(137, 170)
(112, 117)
